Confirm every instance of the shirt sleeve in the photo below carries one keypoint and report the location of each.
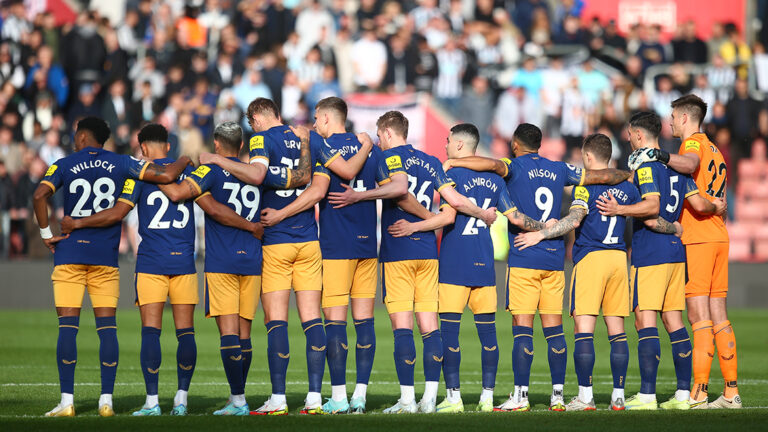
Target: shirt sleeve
(690, 186)
(508, 164)
(389, 166)
(441, 178)
(580, 198)
(505, 205)
(135, 167)
(634, 195)
(277, 177)
(53, 176)
(645, 179)
(691, 146)
(574, 176)
(201, 178)
(131, 192)
(326, 153)
(320, 169)
(257, 151)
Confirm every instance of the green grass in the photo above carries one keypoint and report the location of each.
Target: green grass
(29, 380)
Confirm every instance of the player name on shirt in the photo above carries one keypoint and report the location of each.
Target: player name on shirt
(109, 166)
(415, 160)
(479, 181)
(617, 193)
(543, 173)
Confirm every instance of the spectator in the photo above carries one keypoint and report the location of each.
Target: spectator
(507, 114)
(15, 25)
(612, 38)
(662, 99)
(227, 109)
(11, 152)
(424, 13)
(9, 71)
(85, 106)
(735, 51)
(51, 151)
(721, 77)
(145, 109)
(202, 103)
(651, 51)
(84, 52)
(41, 114)
(401, 67)
(328, 86)
(688, 48)
(116, 109)
(706, 93)
(369, 59)
(146, 71)
(742, 114)
(190, 31)
(222, 74)
(593, 84)
(127, 33)
(477, 106)
(426, 68)
(574, 117)
(310, 23)
(311, 70)
(291, 96)
(56, 80)
(557, 80)
(529, 78)
(251, 87)
(116, 64)
(451, 63)
(190, 138)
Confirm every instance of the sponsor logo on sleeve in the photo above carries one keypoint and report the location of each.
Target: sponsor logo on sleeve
(394, 162)
(128, 186)
(645, 175)
(51, 170)
(201, 171)
(257, 142)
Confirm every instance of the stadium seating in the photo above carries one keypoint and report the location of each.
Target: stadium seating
(748, 232)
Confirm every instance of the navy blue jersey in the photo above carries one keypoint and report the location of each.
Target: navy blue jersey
(466, 251)
(536, 185)
(348, 232)
(280, 149)
(227, 249)
(650, 247)
(425, 176)
(167, 229)
(598, 232)
(90, 180)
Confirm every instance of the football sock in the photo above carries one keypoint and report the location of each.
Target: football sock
(449, 329)
(336, 333)
(365, 351)
(648, 356)
(108, 352)
(453, 395)
(67, 399)
(339, 392)
(681, 355)
(407, 393)
(360, 391)
(489, 357)
(150, 358)
(186, 358)
(522, 355)
(487, 394)
(619, 360)
(726, 353)
(247, 349)
(584, 361)
(520, 393)
(278, 354)
(618, 393)
(238, 400)
(180, 398)
(105, 399)
(703, 352)
(66, 353)
(556, 353)
(315, 336)
(151, 401)
(432, 355)
(585, 393)
(405, 356)
(232, 358)
(430, 390)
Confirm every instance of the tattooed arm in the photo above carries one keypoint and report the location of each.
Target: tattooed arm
(562, 227)
(180, 191)
(608, 176)
(661, 225)
(165, 173)
(524, 222)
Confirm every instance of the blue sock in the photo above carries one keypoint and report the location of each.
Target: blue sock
(232, 358)
(315, 335)
(619, 359)
(432, 355)
(450, 324)
(66, 352)
(681, 354)
(489, 357)
(150, 357)
(109, 352)
(405, 355)
(186, 356)
(336, 333)
(557, 353)
(648, 352)
(247, 349)
(278, 354)
(366, 349)
(584, 358)
(522, 354)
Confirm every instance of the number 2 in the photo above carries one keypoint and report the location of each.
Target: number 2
(717, 171)
(99, 195)
(471, 228)
(157, 221)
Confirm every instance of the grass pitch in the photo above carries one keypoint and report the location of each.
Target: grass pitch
(29, 380)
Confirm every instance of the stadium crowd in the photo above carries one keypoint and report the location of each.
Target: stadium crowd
(494, 63)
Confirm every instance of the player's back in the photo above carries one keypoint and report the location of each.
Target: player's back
(228, 249)
(425, 176)
(710, 177)
(536, 185)
(167, 229)
(650, 247)
(466, 249)
(283, 148)
(598, 232)
(91, 181)
(348, 232)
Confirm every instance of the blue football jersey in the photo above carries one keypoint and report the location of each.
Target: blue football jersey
(536, 185)
(167, 229)
(280, 149)
(425, 177)
(598, 232)
(227, 249)
(91, 181)
(466, 251)
(650, 247)
(348, 232)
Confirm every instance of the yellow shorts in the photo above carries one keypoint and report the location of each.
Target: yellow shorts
(70, 281)
(410, 285)
(453, 299)
(600, 279)
(658, 287)
(345, 277)
(152, 288)
(707, 270)
(297, 265)
(229, 294)
(529, 290)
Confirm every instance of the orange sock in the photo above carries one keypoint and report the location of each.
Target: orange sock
(726, 350)
(703, 352)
